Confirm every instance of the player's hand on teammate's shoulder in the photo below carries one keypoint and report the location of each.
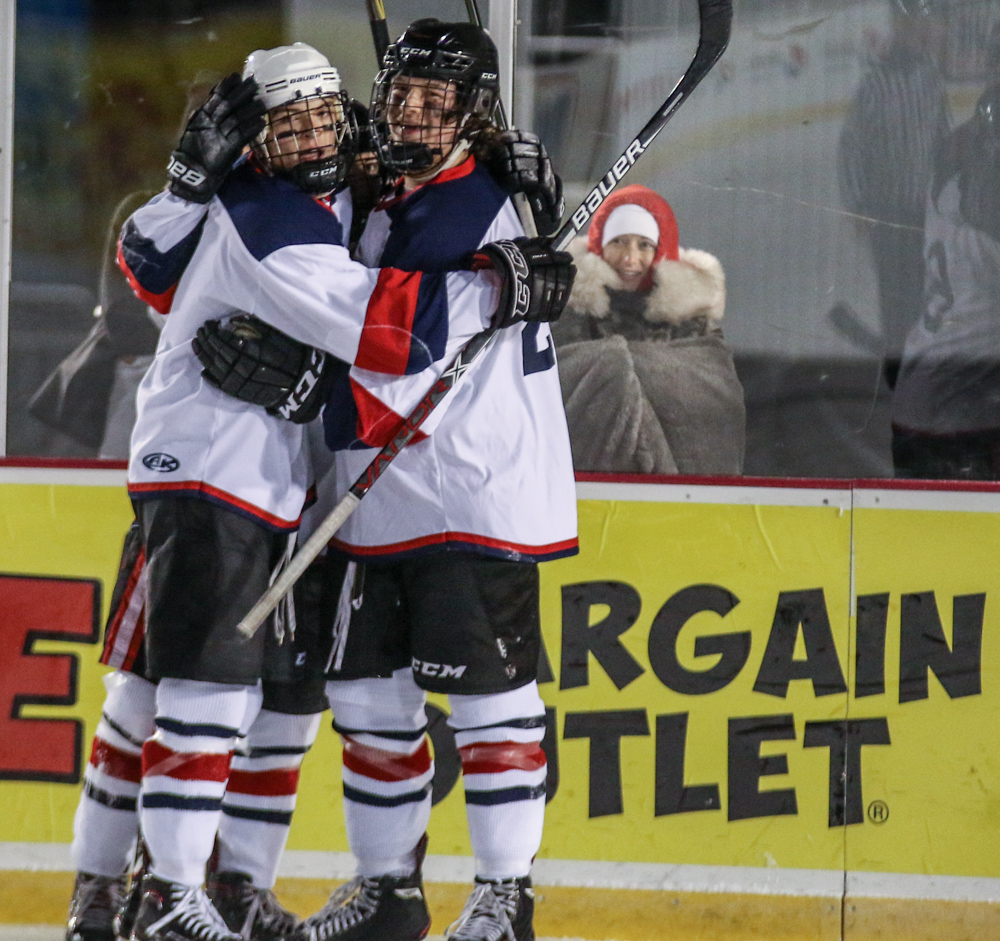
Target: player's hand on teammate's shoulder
(519, 162)
(252, 361)
(535, 278)
(214, 137)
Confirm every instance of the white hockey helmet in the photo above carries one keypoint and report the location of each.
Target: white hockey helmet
(311, 133)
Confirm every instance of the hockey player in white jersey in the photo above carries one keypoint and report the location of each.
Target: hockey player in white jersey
(269, 238)
(444, 549)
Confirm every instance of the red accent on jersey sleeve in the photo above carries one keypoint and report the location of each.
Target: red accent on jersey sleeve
(387, 333)
(161, 303)
(377, 423)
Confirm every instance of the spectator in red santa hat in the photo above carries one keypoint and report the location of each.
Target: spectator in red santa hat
(648, 381)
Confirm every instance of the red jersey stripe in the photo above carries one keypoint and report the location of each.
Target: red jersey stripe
(161, 303)
(159, 761)
(497, 757)
(114, 762)
(384, 765)
(377, 423)
(386, 335)
(438, 538)
(200, 486)
(278, 782)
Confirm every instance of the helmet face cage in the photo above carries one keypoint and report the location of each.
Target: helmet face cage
(437, 78)
(310, 141)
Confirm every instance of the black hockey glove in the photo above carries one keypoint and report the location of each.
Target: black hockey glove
(520, 164)
(251, 361)
(536, 279)
(214, 137)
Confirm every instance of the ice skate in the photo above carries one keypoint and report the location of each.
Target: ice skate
(253, 913)
(173, 912)
(93, 907)
(374, 909)
(497, 910)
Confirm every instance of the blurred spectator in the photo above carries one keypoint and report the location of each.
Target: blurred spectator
(896, 121)
(90, 395)
(648, 382)
(946, 406)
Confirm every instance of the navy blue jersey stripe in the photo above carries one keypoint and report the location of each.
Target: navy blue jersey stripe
(192, 729)
(184, 492)
(430, 323)
(437, 227)
(109, 800)
(507, 795)
(177, 802)
(457, 545)
(406, 736)
(281, 817)
(531, 722)
(122, 732)
(377, 800)
(259, 752)
(340, 417)
(157, 272)
(270, 213)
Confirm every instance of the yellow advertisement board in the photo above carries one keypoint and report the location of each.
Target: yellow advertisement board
(791, 677)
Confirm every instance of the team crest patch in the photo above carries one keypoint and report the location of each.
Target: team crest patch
(161, 463)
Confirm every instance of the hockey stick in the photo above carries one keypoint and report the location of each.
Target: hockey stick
(339, 514)
(380, 29)
(715, 23)
(716, 19)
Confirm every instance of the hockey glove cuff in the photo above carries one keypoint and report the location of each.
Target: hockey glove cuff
(536, 280)
(251, 361)
(520, 164)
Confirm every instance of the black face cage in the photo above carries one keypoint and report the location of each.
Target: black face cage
(310, 141)
(474, 108)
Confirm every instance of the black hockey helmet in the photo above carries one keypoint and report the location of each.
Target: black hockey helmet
(462, 64)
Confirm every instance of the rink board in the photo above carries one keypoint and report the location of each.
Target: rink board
(760, 693)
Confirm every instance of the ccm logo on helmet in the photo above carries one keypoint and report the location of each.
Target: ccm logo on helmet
(444, 670)
(161, 463)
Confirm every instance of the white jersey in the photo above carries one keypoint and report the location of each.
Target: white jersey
(949, 380)
(260, 246)
(492, 473)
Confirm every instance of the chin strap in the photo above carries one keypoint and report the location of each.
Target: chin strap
(457, 155)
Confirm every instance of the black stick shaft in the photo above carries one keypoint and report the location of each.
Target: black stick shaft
(715, 18)
(380, 29)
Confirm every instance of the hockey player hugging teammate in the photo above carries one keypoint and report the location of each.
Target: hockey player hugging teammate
(219, 484)
(441, 556)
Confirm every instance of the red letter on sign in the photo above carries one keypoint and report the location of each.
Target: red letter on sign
(42, 609)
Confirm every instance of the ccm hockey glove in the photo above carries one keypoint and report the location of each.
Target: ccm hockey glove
(535, 279)
(214, 137)
(520, 164)
(251, 361)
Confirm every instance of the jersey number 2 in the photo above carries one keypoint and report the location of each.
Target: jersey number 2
(535, 360)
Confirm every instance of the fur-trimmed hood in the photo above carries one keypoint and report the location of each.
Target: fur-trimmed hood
(694, 286)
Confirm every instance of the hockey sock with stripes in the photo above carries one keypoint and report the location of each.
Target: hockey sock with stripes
(107, 817)
(387, 770)
(260, 797)
(185, 768)
(503, 767)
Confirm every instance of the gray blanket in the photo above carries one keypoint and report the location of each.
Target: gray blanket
(653, 406)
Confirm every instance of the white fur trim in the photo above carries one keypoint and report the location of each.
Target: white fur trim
(693, 286)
